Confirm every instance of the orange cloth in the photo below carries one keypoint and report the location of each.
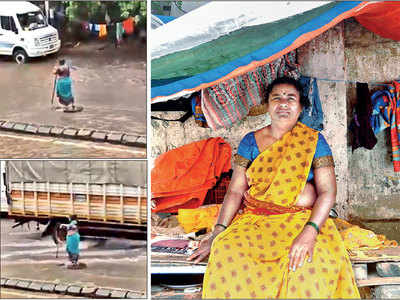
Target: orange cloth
(129, 25)
(382, 18)
(181, 177)
(103, 30)
(198, 218)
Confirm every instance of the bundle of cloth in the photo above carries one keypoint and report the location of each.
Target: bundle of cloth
(182, 177)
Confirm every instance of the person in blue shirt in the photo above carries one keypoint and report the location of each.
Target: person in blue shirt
(73, 240)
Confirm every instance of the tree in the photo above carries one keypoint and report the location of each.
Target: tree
(95, 11)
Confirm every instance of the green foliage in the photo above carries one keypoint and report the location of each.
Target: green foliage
(95, 11)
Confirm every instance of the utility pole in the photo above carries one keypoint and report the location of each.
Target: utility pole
(46, 8)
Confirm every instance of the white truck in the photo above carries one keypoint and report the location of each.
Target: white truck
(24, 31)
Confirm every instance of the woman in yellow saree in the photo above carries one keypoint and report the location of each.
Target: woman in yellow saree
(283, 245)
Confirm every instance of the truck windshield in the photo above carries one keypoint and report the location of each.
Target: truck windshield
(32, 20)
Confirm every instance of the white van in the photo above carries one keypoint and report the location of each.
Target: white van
(24, 31)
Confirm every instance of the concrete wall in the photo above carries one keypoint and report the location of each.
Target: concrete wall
(324, 58)
(368, 189)
(374, 188)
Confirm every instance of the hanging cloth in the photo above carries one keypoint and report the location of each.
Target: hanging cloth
(360, 126)
(119, 32)
(128, 25)
(313, 116)
(230, 101)
(386, 113)
(102, 30)
(198, 114)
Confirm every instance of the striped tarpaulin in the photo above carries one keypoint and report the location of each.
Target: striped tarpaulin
(216, 43)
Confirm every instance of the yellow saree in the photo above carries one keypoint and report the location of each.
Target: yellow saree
(250, 258)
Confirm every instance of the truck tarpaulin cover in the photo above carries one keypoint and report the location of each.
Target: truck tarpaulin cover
(129, 173)
(222, 40)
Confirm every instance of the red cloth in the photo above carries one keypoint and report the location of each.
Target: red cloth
(181, 177)
(129, 25)
(382, 18)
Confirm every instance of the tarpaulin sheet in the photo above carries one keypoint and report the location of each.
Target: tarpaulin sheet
(222, 40)
(129, 173)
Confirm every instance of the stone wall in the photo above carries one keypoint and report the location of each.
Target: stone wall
(374, 188)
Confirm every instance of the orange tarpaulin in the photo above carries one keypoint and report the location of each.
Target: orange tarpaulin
(181, 177)
(382, 18)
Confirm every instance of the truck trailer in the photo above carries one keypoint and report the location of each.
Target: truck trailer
(109, 198)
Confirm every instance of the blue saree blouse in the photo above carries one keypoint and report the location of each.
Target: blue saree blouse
(248, 151)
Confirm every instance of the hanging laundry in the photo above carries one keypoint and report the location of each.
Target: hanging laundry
(102, 30)
(96, 27)
(198, 114)
(386, 113)
(119, 32)
(85, 26)
(230, 101)
(181, 177)
(360, 126)
(129, 25)
(313, 116)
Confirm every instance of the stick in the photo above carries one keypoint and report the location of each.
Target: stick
(54, 89)
(57, 251)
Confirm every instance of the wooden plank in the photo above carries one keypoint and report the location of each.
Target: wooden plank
(35, 196)
(377, 281)
(378, 255)
(139, 204)
(104, 203)
(121, 199)
(23, 197)
(48, 197)
(87, 201)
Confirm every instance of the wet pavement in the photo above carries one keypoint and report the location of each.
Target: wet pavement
(109, 83)
(16, 145)
(112, 262)
(7, 293)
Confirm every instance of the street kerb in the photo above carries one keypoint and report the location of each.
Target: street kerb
(69, 289)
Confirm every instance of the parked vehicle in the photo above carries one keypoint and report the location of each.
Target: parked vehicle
(24, 31)
(3, 197)
(108, 197)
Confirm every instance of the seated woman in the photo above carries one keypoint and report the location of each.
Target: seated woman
(64, 84)
(283, 245)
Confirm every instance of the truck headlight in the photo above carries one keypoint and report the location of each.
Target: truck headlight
(37, 43)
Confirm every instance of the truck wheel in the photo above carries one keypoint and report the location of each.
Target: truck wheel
(20, 57)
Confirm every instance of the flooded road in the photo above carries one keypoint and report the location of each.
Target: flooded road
(109, 83)
(111, 262)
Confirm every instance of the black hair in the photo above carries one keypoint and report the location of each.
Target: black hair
(304, 101)
(62, 62)
(73, 217)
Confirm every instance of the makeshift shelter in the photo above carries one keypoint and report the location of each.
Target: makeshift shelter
(190, 54)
